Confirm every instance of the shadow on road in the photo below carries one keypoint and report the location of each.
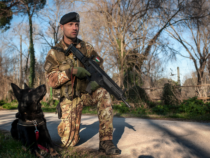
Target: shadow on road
(119, 129)
(91, 130)
(145, 156)
(119, 124)
(183, 142)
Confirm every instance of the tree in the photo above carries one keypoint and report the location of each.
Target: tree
(124, 26)
(50, 18)
(197, 46)
(197, 26)
(29, 8)
(5, 14)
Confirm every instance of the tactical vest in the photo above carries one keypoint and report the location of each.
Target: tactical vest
(66, 62)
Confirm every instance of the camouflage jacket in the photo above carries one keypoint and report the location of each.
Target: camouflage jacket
(57, 68)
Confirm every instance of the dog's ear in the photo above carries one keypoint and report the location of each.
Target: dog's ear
(26, 86)
(16, 91)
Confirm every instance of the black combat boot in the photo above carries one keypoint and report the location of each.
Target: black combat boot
(108, 147)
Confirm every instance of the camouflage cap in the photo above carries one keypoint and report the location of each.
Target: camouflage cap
(69, 17)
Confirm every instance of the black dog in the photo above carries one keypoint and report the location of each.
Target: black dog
(30, 127)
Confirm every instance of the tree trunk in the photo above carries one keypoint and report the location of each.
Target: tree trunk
(26, 68)
(32, 56)
(121, 78)
(21, 72)
(201, 90)
(200, 72)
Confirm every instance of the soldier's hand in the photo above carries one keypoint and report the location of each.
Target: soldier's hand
(92, 86)
(81, 72)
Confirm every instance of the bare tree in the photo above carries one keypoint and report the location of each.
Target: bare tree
(50, 18)
(122, 26)
(197, 46)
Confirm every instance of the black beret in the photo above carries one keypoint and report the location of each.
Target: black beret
(70, 17)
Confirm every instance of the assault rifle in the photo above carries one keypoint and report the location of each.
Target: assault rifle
(97, 74)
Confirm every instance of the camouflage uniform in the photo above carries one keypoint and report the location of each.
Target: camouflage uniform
(71, 108)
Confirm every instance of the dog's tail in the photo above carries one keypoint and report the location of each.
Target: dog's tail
(14, 131)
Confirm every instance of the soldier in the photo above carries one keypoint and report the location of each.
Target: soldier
(68, 78)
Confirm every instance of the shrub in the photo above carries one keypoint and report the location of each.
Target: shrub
(168, 96)
(45, 104)
(161, 109)
(10, 106)
(121, 108)
(2, 102)
(139, 110)
(15, 101)
(151, 104)
(51, 102)
(194, 106)
(136, 94)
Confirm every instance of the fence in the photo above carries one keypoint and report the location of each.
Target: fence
(201, 91)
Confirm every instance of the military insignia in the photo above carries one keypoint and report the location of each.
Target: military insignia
(47, 66)
(77, 17)
(97, 59)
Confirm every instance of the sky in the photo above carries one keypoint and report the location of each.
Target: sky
(185, 65)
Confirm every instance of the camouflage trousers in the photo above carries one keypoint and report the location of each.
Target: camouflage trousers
(69, 127)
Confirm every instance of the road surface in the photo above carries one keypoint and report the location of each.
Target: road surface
(137, 138)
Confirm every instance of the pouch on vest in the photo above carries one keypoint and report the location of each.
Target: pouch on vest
(56, 93)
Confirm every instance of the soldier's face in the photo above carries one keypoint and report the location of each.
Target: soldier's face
(70, 30)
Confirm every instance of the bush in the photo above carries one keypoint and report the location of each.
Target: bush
(139, 110)
(51, 102)
(121, 108)
(136, 94)
(45, 104)
(161, 109)
(10, 106)
(14, 101)
(2, 102)
(194, 106)
(168, 95)
(89, 109)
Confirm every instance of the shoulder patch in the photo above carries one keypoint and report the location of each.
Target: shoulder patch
(49, 63)
(47, 66)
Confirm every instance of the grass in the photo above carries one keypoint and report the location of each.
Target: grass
(8, 106)
(13, 149)
(154, 111)
(49, 109)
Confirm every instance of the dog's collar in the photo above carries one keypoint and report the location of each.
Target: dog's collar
(29, 117)
(29, 122)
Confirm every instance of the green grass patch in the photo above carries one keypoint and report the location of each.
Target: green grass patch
(9, 106)
(12, 148)
(89, 110)
(49, 109)
(191, 109)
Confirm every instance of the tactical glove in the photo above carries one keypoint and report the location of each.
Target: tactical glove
(81, 72)
(92, 86)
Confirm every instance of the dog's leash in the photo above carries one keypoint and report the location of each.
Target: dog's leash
(37, 136)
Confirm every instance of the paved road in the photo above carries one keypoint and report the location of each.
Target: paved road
(137, 138)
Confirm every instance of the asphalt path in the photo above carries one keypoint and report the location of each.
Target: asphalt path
(136, 138)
